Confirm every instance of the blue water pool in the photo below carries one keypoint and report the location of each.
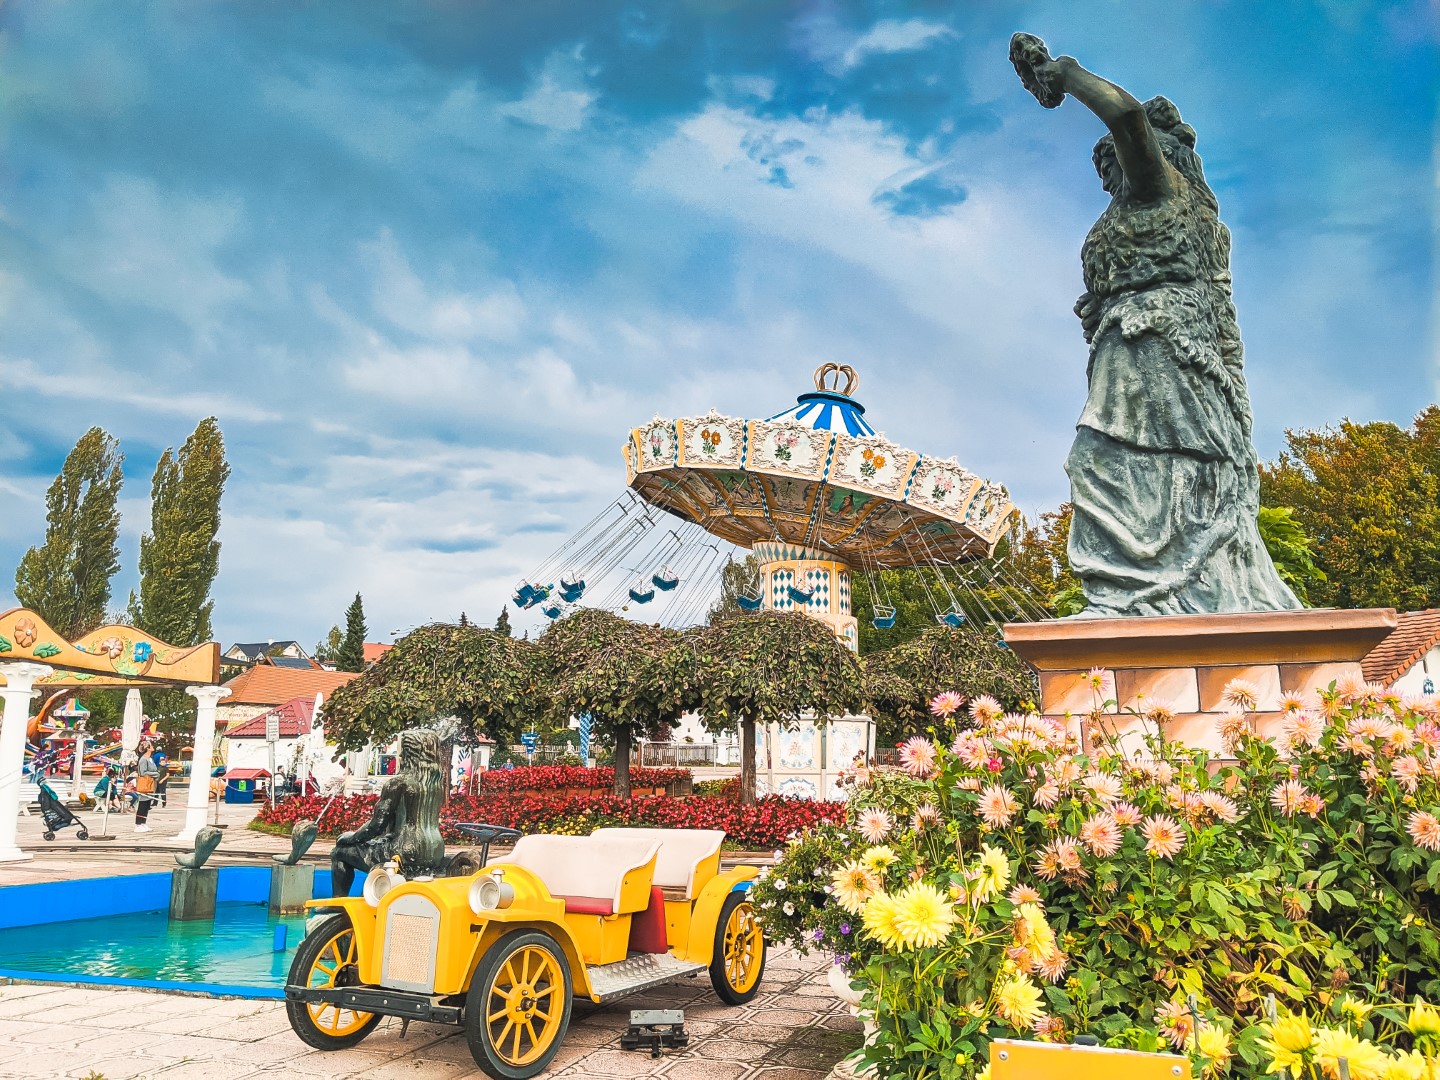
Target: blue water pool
(237, 949)
(118, 931)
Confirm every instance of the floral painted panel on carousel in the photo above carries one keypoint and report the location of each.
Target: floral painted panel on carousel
(797, 748)
(711, 439)
(656, 445)
(989, 513)
(875, 464)
(844, 741)
(797, 787)
(788, 447)
(943, 486)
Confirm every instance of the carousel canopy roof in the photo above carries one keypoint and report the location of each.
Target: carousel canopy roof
(820, 477)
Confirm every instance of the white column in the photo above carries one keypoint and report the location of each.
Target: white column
(19, 688)
(197, 804)
(78, 762)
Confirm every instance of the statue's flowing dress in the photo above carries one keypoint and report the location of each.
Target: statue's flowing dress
(1163, 472)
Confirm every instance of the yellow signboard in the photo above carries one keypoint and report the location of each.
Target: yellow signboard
(1011, 1060)
(109, 656)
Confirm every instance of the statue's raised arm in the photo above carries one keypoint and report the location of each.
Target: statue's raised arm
(1136, 147)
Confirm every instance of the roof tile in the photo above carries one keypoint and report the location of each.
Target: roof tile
(268, 685)
(1416, 633)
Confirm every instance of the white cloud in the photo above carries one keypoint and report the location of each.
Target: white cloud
(399, 295)
(892, 36)
(559, 99)
(159, 249)
(102, 386)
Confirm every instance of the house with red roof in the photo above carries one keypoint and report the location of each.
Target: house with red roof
(1409, 659)
(264, 687)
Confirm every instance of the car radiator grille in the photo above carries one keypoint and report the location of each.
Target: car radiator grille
(412, 934)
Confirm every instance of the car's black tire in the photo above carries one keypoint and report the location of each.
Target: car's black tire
(332, 940)
(738, 962)
(520, 973)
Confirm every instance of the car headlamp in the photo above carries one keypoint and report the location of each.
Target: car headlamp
(380, 881)
(491, 892)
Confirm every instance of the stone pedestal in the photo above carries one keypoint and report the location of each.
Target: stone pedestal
(192, 892)
(1185, 661)
(290, 888)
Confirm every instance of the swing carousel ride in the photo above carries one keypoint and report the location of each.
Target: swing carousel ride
(814, 492)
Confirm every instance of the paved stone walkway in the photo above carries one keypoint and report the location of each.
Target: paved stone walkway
(794, 1030)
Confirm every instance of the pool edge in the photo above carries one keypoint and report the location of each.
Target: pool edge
(9, 976)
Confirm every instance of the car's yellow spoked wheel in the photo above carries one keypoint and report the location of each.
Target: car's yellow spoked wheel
(522, 1012)
(327, 959)
(739, 958)
(518, 1006)
(337, 965)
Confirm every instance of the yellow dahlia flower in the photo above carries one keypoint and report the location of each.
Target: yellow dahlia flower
(879, 919)
(1290, 1037)
(1424, 1019)
(1411, 1066)
(1213, 1043)
(852, 884)
(1032, 932)
(994, 873)
(1367, 1061)
(923, 916)
(1017, 1000)
(878, 858)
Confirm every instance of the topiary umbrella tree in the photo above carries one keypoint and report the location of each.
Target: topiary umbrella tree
(632, 678)
(769, 667)
(901, 681)
(486, 679)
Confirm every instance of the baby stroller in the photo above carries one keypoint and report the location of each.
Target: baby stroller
(57, 815)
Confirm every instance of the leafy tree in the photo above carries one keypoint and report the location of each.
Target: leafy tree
(1369, 495)
(352, 647)
(632, 678)
(902, 681)
(738, 577)
(67, 578)
(502, 624)
(1290, 549)
(440, 670)
(180, 556)
(328, 651)
(771, 667)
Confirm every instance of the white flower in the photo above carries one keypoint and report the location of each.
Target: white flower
(788, 908)
(781, 884)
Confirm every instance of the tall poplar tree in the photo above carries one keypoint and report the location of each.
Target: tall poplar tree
(180, 556)
(67, 578)
(352, 647)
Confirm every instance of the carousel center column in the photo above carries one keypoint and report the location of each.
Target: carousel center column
(197, 804)
(19, 688)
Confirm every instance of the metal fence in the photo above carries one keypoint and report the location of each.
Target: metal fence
(683, 755)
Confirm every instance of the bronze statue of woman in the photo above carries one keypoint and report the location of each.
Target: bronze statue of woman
(1163, 473)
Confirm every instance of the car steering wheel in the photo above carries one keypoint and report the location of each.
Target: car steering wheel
(484, 835)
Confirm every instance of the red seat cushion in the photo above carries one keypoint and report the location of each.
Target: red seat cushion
(647, 928)
(587, 905)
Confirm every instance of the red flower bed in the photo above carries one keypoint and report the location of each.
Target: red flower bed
(572, 778)
(766, 825)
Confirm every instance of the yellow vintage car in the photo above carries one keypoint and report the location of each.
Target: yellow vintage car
(505, 950)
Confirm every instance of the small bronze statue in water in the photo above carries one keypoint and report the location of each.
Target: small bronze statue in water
(405, 824)
(1163, 473)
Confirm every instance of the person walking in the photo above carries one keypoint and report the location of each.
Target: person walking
(146, 773)
(162, 777)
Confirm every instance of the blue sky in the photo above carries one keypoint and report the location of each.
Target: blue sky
(429, 262)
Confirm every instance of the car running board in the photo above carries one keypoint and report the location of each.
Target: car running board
(638, 971)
